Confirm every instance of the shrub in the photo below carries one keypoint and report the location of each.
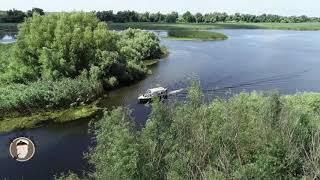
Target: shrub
(250, 136)
(46, 95)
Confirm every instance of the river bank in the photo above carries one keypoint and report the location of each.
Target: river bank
(242, 63)
(38, 119)
(198, 26)
(57, 76)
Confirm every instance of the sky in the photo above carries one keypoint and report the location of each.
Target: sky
(280, 7)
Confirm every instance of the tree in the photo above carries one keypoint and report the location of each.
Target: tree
(199, 18)
(35, 10)
(14, 16)
(105, 15)
(116, 144)
(249, 136)
(172, 17)
(70, 44)
(188, 17)
(145, 17)
(127, 16)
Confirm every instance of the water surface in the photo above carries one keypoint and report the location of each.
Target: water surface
(249, 60)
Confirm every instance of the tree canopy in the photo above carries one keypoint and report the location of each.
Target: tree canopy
(250, 136)
(188, 17)
(17, 16)
(69, 44)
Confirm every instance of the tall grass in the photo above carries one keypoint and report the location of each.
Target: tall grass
(207, 26)
(46, 95)
(4, 57)
(196, 35)
(250, 136)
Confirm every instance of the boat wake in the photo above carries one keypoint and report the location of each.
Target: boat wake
(271, 80)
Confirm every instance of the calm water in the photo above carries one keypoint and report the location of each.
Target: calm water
(7, 38)
(249, 60)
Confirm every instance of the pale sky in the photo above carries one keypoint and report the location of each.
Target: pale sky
(281, 7)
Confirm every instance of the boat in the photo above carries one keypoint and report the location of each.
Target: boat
(160, 92)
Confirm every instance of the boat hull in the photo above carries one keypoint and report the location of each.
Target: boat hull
(146, 100)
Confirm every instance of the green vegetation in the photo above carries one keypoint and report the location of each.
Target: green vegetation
(249, 136)
(17, 16)
(8, 124)
(68, 44)
(195, 35)
(199, 26)
(5, 50)
(67, 59)
(187, 17)
(24, 99)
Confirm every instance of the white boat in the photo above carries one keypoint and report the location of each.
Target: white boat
(160, 92)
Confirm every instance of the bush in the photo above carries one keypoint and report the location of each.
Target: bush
(64, 45)
(250, 136)
(46, 95)
(65, 58)
(196, 35)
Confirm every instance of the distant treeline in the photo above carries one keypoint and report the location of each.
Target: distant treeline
(17, 16)
(173, 17)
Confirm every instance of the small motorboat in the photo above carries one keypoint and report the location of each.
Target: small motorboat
(160, 92)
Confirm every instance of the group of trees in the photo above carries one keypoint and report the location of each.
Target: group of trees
(69, 44)
(17, 16)
(132, 16)
(237, 17)
(249, 136)
(60, 47)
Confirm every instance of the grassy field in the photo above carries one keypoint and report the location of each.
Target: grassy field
(166, 26)
(195, 35)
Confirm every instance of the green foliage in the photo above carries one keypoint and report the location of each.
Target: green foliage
(188, 17)
(205, 26)
(65, 59)
(69, 44)
(47, 95)
(213, 17)
(13, 16)
(138, 45)
(195, 35)
(116, 153)
(8, 124)
(35, 10)
(59, 45)
(172, 17)
(250, 136)
(4, 57)
(68, 176)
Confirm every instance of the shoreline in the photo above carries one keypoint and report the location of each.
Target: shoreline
(38, 119)
(211, 26)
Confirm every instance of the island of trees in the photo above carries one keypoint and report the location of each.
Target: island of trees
(66, 60)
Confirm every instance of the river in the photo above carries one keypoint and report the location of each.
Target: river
(249, 60)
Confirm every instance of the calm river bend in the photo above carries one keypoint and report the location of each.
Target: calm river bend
(288, 61)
